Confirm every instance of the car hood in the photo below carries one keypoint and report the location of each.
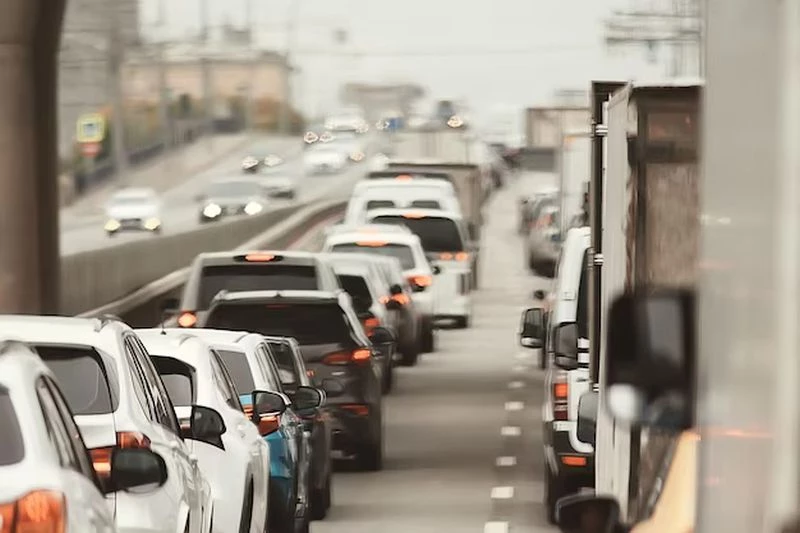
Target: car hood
(132, 211)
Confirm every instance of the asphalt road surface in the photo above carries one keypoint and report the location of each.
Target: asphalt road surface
(180, 210)
(463, 427)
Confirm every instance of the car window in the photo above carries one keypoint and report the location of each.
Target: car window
(12, 445)
(437, 234)
(165, 411)
(401, 252)
(179, 379)
(379, 204)
(81, 454)
(287, 369)
(357, 288)
(139, 381)
(426, 204)
(254, 277)
(87, 379)
(583, 298)
(59, 436)
(225, 383)
(273, 372)
(238, 369)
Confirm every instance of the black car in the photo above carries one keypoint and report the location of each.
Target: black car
(293, 374)
(346, 363)
(234, 271)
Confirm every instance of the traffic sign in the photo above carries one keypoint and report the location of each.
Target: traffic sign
(91, 128)
(90, 149)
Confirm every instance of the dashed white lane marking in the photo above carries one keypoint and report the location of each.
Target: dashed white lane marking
(507, 460)
(514, 406)
(495, 527)
(511, 431)
(502, 493)
(516, 385)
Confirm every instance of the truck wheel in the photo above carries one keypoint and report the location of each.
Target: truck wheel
(410, 355)
(388, 378)
(428, 338)
(553, 490)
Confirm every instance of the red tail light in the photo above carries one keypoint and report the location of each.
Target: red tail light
(356, 408)
(360, 355)
(402, 299)
(187, 319)
(421, 281)
(560, 397)
(101, 457)
(40, 511)
(370, 324)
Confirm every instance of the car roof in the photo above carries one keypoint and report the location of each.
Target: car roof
(417, 213)
(352, 237)
(229, 257)
(368, 228)
(377, 183)
(19, 364)
(170, 342)
(60, 329)
(295, 295)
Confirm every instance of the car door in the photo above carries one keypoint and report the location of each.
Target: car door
(87, 510)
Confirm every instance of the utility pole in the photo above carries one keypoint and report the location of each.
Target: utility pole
(208, 94)
(115, 58)
(163, 90)
(286, 107)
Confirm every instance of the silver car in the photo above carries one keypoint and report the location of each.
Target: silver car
(133, 209)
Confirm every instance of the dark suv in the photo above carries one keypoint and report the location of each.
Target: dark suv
(234, 271)
(346, 364)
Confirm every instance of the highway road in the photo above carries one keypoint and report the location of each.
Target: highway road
(180, 208)
(463, 427)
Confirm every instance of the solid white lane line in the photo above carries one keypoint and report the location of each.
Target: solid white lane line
(508, 460)
(514, 406)
(510, 431)
(502, 493)
(495, 527)
(516, 385)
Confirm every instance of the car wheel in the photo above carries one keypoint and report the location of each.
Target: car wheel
(428, 338)
(111, 233)
(553, 491)
(303, 524)
(247, 511)
(410, 355)
(370, 459)
(388, 378)
(321, 500)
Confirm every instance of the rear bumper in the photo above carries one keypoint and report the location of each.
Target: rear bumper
(455, 306)
(351, 432)
(564, 461)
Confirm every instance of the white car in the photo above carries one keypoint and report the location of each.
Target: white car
(406, 248)
(49, 482)
(237, 463)
(119, 402)
(324, 159)
(443, 236)
(404, 197)
(133, 209)
(399, 183)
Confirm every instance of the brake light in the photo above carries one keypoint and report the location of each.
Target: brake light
(413, 215)
(357, 409)
(359, 355)
(259, 258)
(403, 177)
(40, 511)
(101, 457)
(402, 299)
(446, 256)
(370, 324)
(462, 256)
(373, 244)
(187, 319)
(560, 396)
(421, 281)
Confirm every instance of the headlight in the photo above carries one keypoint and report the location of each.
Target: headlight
(357, 156)
(212, 210)
(152, 224)
(249, 162)
(311, 137)
(112, 225)
(253, 208)
(455, 122)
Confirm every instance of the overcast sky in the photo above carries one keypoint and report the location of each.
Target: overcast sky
(483, 51)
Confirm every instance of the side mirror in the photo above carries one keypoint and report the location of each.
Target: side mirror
(531, 333)
(565, 341)
(307, 398)
(436, 269)
(539, 294)
(587, 514)
(332, 387)
(396, 289)
(393, 305)
(267, 409)
(170, 305)
(650, 378)
(587, 417)
(136, 470)
(381, 336)
(206, 425)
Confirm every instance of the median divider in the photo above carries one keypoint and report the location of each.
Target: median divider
(119, 280)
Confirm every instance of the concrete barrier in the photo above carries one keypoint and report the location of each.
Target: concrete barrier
(140, 305)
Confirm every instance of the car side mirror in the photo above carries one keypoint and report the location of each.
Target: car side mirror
(332, 387)
(587, 416)
(381, 336)
(267, 409)
(135, 470)
(205, 425)
(531, 333)
(565, 341)
(436, 269)
(582, 513)
(651, 369)
(307, 398)
(539, 294)
(396, 289)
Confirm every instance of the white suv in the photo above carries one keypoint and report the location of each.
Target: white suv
(237, 463)
(119, 401)
(48, 477)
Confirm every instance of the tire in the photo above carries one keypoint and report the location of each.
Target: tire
(370, 459)
(111, 233)
(388, 378)
(247, 511)
(321, 500)
(428, 338)
(410, 356)
(281, 520)
(553, 490)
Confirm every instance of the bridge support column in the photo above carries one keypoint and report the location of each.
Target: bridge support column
(30, 32)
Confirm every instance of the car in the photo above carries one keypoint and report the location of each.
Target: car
(257, 161)
(543, 242)
(529, 207)
(133, 209)
(119, 402)
(407, 196)
(249, 359)
(363, 281)
(394, 182)
(236, 463)
(443, 236)
(418, 272)
(294, 375)
(233, 196)
(49, 481)
(344, 360)
(233, 271)
(324, 159)
(279, 186)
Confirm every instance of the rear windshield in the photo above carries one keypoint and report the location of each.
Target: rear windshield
(357, 288)
(426, 204)
(87, 380)
(401, 252)
(308, 323)
(437, 234)
(178, 378)
(379, 204)
(239, 370)
(254, 277)
(12, 447)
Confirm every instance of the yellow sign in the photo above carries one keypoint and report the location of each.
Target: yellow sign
(91, 128)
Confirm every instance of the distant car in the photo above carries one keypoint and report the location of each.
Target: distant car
(279, 186)
(233, 196)
(133, 209)
(405, 197)
(255, 162)
(49, 482)
(324, 160)
(543, 243)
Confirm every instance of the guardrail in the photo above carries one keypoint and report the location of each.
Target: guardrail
(140, 305)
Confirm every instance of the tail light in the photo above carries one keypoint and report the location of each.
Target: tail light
(359, 355)
(421, 281)
(370, 324)
(462, 256)
(187, 319)
(446, 256)
(356, 408)
(40, 511)
(101, 457)
(560, 396)
(402, 299)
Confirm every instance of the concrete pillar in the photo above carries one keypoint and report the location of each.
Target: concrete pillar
(30, 32)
